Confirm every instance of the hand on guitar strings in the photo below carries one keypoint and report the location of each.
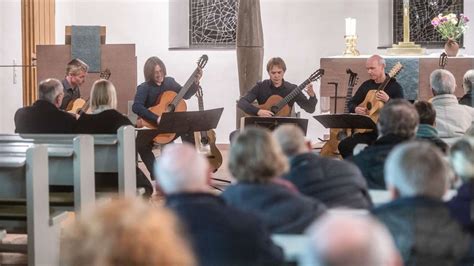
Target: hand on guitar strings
(265, 113)
(309, 89)
(198, 76)
(382, 96)
(361, 110)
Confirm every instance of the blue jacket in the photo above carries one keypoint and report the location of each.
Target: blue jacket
(223, 235)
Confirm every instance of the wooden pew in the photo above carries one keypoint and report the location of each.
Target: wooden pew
(112, 153)
(69, 165)
(25, 179)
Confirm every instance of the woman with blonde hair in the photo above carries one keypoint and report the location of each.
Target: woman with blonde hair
(125, 232)
(257, 162)
(105, 119)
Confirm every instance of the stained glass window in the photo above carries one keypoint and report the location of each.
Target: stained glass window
(421, 13)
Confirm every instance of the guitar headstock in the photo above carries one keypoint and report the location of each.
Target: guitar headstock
(199, 92)
(202, 61)
(443, 60)
(353, 78)
(395, 70)
(316, 75)
(105, 74)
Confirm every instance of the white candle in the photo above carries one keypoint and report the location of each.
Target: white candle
(354, 27)
(348, 26)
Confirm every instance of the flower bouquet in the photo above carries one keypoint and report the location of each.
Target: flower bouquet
(451, 28)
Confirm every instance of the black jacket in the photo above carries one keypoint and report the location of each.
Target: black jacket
(44, 117)
(424, 232)
(280, 209)
(221, 234)
(105, 122)
(335, 183)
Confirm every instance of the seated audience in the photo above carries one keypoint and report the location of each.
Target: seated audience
(257, 163)
(397, 123)
(219, 234)
(334, 182)
(468, 86)
(44, 116)
(341, 239)
(452, 118)
(462, 162)
(125, 232)
(418, 219)
(105, 119)
(426, 129)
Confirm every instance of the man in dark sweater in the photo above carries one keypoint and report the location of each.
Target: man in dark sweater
(44, 115)
(275, 85)
(76, 73)
(219, 234)
(336, 183)
(376, 69)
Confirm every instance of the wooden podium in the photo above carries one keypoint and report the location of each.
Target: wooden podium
(120, 59)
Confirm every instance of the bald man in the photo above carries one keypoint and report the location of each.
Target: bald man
(375, 66)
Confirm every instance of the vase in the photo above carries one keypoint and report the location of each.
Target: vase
(451, 47)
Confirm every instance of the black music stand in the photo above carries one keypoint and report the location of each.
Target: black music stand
(273, 122)
(346, 121)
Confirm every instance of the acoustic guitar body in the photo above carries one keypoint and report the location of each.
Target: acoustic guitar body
(162, 107)
(272, 101)
(373, 106)
(76, 105)
(330, 148)
(209, 149)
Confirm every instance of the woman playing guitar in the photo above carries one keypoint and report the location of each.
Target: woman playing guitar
(148, 95)
(375, 66)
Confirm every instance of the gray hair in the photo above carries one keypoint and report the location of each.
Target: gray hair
(49, 89)
(181, 168)
(468, 81)
(291, 139)
(379, 59)
(398, 117)
(442, 82)
(417, 168)
(340, 238)
(462, 158)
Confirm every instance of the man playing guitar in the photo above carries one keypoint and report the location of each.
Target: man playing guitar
(76, 72)
(375, 66)
(276, 85)
(147, 95)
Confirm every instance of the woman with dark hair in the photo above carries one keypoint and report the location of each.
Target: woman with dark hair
(105, 119)
(147, 95)
(257, 162)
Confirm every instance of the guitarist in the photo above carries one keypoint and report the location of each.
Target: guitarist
(276, 85)
(147, 95)
(76, 72)
(375, 66)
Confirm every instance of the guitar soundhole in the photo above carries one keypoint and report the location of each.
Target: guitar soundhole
(274, 109)
(171, 108)
(205, 140)
(369, 106)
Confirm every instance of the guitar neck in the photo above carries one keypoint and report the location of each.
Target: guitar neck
(292, 95)
(348, 98)
(384, 83)
(185, 88)
(200, 103)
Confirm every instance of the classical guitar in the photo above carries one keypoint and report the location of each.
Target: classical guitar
(371, 103)
(171, 101)
(337, 134)
(80, 105)
(205, 141)
(279, 105)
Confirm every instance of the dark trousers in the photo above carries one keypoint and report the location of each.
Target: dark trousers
(347, 145)
(144, 146)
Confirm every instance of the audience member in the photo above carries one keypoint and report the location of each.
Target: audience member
(125, 232)
(341, 239)
(105, 119)
(44, 115)
(452, 118)
(468, 86)
(220, 234)
(462, 162)
(257, 162)
(426, 126)
(397, 123)
(334, 182)
(421, 224)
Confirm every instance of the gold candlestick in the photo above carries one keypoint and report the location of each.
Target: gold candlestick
(351, 43)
